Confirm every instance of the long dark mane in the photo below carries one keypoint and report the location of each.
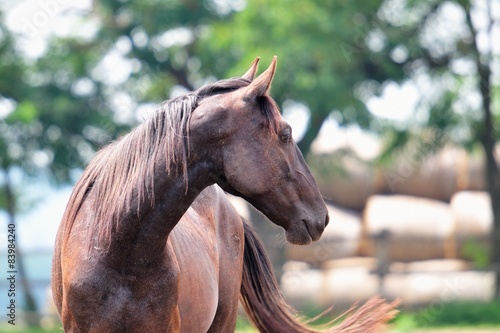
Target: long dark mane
(121, 175)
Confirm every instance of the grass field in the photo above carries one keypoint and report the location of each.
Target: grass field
(249, 329)
(448, 318)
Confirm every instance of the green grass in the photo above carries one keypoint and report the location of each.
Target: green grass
(454, 316)
(25, 329)
(463, 314)
(243, 326)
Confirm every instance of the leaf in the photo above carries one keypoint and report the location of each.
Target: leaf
(25, 112)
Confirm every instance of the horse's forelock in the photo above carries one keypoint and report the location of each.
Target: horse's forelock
(270, 111)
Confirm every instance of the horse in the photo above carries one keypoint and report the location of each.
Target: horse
(150, 243)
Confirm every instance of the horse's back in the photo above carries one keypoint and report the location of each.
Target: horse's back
(208, 242)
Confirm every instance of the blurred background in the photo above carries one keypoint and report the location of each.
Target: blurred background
(394, 103)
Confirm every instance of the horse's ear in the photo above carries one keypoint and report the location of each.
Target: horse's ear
(262, 83)
(250, 74)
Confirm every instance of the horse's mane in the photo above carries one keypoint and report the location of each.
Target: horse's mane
(122, 174)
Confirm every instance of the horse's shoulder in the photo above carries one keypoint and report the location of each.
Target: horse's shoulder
(213, 192)
(211, 197)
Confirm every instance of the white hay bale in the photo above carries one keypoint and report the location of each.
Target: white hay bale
(302, 286)
(473, 214)
(349, 184)
(437, 288)
(347, 281)
(348, 285)
(418, 228)
(425, 175)
(428, 266)
(367, 262)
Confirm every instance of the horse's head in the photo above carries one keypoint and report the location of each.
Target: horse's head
(257, 159)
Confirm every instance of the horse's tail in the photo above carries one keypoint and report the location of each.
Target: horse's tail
(269, 312)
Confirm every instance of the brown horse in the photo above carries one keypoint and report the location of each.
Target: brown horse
(149, 242)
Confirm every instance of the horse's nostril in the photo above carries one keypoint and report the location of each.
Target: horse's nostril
(327, 219)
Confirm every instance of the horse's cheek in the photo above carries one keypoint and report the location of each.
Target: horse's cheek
(251, 186)
(245, 172)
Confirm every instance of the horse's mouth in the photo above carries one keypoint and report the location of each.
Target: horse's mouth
(299, 235)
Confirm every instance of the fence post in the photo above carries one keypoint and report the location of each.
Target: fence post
(383, 261)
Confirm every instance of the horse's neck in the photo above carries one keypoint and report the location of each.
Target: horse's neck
(145, 241)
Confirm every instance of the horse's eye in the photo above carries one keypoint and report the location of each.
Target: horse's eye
(286, 135)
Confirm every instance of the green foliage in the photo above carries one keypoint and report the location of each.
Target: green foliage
(326, 61)
(3, 198)
(333, 56)
(25, 113)
(45, 133)
(322, 54)
(450, 316)
(472, 314)
(56, 126)
(478, 253)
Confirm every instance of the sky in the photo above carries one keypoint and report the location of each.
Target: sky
(36, 20)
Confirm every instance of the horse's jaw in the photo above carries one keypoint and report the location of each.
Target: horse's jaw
(298, 231)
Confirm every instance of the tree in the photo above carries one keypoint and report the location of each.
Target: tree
(449, 45)
(324, 63)
(9, 89)
(63, 106)
(485, 133)
(324, 59)
(50, 126)
(334, 56)
(160, 38)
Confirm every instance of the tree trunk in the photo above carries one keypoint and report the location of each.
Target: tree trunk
(492, 178)
(487, 136)
(32, 317)
(313, 127)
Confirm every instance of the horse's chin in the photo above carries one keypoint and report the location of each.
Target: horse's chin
(298, 237)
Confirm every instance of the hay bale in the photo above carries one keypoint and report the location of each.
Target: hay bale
(435, 175)
(473, 175)
(348, 285)
(435, 266)
(346, 180)
(347, 281)
(418, 228)
(427, 176)
(344, 283)
(367, 262)
(438, 288)
(473, 214)
(301, 287)
(339, 240)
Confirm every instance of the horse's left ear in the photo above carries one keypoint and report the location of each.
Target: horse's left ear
(250, 74)
(262, 83)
